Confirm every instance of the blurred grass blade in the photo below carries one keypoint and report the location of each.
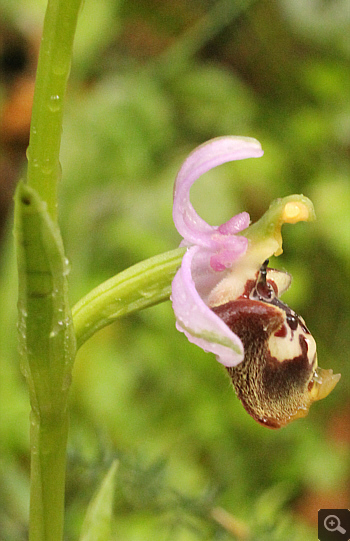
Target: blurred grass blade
(97, 522)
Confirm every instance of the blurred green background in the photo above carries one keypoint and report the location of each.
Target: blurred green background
(151, 80)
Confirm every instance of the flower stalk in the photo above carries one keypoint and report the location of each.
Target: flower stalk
(50, 89)
(47, 341)
(141, 286)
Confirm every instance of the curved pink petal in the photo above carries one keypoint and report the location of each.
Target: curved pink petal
(235, 224)
(196, 319)
(207, 156)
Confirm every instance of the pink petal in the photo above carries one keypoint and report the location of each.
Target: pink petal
(196, 320)
(207, 156)
(235, 224)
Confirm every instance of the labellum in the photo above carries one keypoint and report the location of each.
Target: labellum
(279, 378)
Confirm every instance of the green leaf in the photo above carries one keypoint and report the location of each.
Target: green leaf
(47, 349)
(97, 522)
(47, 341)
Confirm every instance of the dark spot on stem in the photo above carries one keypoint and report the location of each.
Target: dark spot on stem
(26, 200)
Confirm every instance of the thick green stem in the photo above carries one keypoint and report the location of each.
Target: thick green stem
(45, 326)
(48, 471)
(50, 89)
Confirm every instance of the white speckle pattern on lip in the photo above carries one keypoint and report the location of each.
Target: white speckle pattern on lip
(288, 346)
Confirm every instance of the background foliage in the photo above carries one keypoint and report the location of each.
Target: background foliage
(150, 81)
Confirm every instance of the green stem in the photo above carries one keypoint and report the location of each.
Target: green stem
(50, 89)
(46, 332)
(143, 285)
(48, 467)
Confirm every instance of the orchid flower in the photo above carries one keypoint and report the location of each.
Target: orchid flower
(226, 299)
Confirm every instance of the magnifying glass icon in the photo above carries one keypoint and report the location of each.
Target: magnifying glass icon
(332, 524)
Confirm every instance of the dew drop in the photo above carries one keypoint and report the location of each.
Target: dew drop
(58, 327)
(55, 103)
(66, 267)
(146, 294)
